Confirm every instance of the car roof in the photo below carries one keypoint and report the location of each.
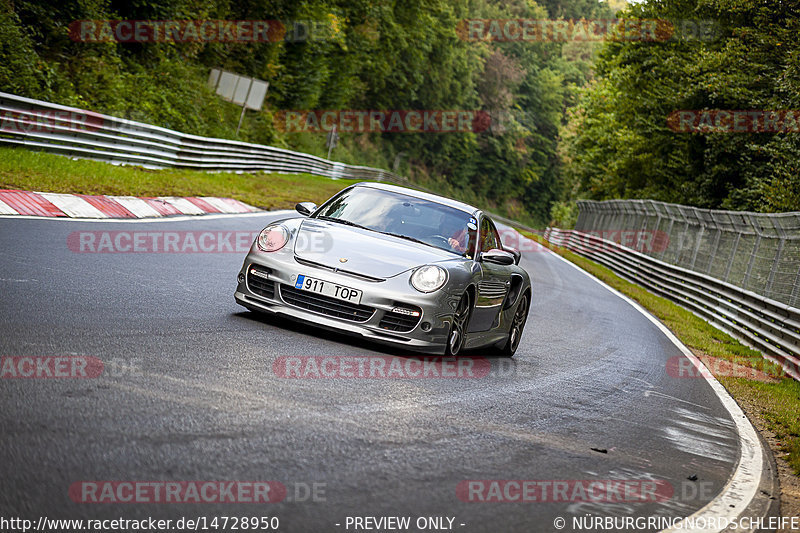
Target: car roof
(422, 195)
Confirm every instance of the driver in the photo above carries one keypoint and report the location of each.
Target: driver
(458, 237)
(458, 241)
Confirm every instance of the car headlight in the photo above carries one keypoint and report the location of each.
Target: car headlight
(428, 278)
(272, 238)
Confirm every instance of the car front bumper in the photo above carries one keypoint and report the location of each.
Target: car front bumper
(383, 297)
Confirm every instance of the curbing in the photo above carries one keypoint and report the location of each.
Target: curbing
(45, 204)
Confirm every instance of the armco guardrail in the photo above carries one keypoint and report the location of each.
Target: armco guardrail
(40, 125)
(766, 324)
(70, 131)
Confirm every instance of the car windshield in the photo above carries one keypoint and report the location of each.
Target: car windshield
(403, 216)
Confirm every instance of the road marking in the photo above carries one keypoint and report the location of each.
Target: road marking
(742, 487)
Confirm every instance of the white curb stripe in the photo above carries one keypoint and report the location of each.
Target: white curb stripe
(73, 206)
(183, 205)
(220, 204)
(6, 209)
(137, 206)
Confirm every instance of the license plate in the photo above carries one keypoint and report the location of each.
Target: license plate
(327, 288)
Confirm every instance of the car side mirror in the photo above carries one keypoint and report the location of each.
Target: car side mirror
(513, 251)
(498, 257)
(306, 208)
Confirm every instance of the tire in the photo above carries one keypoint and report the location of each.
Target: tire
(515, 329)
(458, 329)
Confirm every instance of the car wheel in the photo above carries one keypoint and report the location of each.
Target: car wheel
(515, 330)
(458, 329)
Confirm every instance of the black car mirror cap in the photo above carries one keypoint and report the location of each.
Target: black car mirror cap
(498, 257)
(513, 251)
(305, 208)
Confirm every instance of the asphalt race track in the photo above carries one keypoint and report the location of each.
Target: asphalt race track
(188, 393)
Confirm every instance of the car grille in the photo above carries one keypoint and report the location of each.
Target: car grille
(257, 284)
(326, 305)
(399, 321)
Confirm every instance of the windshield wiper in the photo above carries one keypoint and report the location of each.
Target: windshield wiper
(342, 221)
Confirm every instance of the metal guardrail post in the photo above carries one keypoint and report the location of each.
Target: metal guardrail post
(669, 236)
(713, 254)
(733, 254)
(750, 263)
(775, 262)
(698, 240)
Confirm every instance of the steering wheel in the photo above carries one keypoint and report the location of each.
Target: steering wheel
(444, 239)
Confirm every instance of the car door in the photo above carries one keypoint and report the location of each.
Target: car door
(494, 283)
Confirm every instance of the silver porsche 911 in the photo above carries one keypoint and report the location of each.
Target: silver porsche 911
(395, 266)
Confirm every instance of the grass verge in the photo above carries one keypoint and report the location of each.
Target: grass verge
(770, 399)
(39, 171)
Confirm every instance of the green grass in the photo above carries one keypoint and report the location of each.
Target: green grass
(38, 171)
(778, 402)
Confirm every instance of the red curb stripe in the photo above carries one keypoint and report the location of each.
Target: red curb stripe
(202, 204)
(164, 208)
(30, 203)
(107, 206)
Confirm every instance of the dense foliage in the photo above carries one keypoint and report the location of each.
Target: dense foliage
(569, 119)
(374, 55)
(619, 144)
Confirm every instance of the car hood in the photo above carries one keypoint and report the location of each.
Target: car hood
(366, 252)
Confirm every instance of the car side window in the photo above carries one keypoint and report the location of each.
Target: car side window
(497, 239)
(488, 237)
